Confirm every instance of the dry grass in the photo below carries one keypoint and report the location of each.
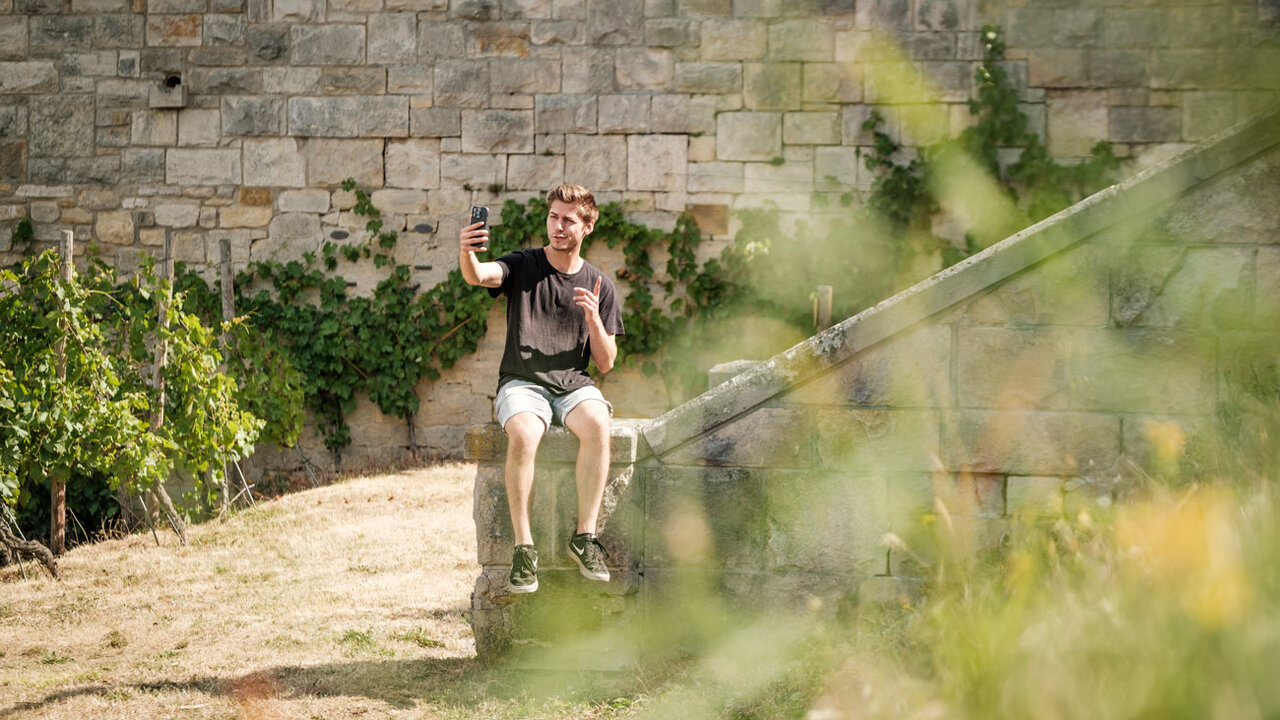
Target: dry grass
(343, 601)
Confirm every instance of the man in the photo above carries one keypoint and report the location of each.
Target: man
(561, 312)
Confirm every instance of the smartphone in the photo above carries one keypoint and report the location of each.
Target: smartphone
(479, 214)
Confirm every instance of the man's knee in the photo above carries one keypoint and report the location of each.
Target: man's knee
(590, 421)
(524, 431)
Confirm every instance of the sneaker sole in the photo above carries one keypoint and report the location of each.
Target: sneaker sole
(522, 589)
(587, 573)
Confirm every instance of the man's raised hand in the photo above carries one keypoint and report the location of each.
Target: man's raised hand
(474, 238)
(589, 300)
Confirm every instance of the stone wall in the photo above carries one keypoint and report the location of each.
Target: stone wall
(700, 106)
(1039, 377)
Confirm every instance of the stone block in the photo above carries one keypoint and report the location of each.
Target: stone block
(353, 81)
(801, 40)
(274, 162)
(416, 80)
(767, 437)
(457, 170)
(724, 177)
(188, 247)
(186, 166)
(534, 172)
(836, 168)
(657, 162)
(1134, 27)
(393, 37)
(624, 113)
(733, 40)
(177, 214)
(912, 370)
(437, 40)
(198, 127)
(119, 31)
(556, 32)
(246, 115)
(1117, 68)
(615, 22)
(332, 44)
(259, 196)
(435, 122)
(291, 81)
(588, 70)
(400, 202)
(13, 38)
(60, 125)
(1059, 67)
(462, 83)
(143, 165)
(682, 114)
(1031, 496)
(222, 30)
(832, 83)
(413, 163)
(1077, 120)
(1072, 288)
(1145, 124)
(499, 39)
(526, 75)
(1173, 287)
(1031, 443)
(644, 68)
(13, 121)
(671, 32)
(223, 81)
(174, 30)
(303, 201)
(381, 116)
(267, 44)
(811, 128)
(708, 77)
(565, 114)
(748, 136)
(883, 15)
(114, 227)
(497, 131)
(238, 216)
(154, 127)
(1185, 70)
(788, 177)
(1267, 302)
(710, 219)
(877, 441)
(596, 161)
(53, 31)
(705, 516)
(330, 162)
(13, 164)
(771, 86)
(1205, 114)
(289, 236)
(826, 523)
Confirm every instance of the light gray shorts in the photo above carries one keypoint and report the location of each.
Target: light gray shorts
(517, 396)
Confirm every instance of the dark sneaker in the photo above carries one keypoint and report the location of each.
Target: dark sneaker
(589, 554)
(524, 570)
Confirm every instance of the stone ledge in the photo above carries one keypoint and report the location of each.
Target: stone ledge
(488, 443)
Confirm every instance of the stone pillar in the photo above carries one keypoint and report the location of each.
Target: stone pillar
(567, 607)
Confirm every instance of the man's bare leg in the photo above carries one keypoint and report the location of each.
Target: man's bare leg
(524, 432)
(589, 420)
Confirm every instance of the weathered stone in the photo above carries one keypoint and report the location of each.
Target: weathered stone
(624, 113)
(715, 177)
(644, 68)
(224, 81)
(682, 114)
(528, 75)
(333, 44)
(884, 15)
(353, 81)
(588, 70)
(534, 172)
(1134, 28)
(1199, 287)
(274, 162)
(745, 443)
(556, 32)
(385, 116)
(154, 127)
(1077, 120)
(174, 30)
(946, 15)
(289, 236)
(435, 122)
(1031, 496)
(1117, 68)
(750, 136)
(671, 32)
(771, 86)
(701, 515)
(497, 131)
(733, 40)
(1205, 114)
(413, 164)
(177, 214)
(45, 212)
(291, 81)
(13, 162)
(267, 44)
(330, 162)
(247, 115)
(1031, 443)
(119, 31)
(225, 30)
(254, 196)
(437, 40)
(202, 167)
(657, 162)
(615, 22)
(832, 83)
(393, 37)
(61, 32)
(826, 523)
(1145, 124)
(400, 202)
(303, 201)
(820, 128)
(114, 227)
(457, 170)
(708, 77)
(238, 216)
(596, 161)
(565, 114)
(410, 80)
(13, 38)
(198, 127)
(499, 39)
(801, 40)
(462, 83)
(143, 165)
(1072, 288)
(13, 121)
(61, 125)
(912, 371)
(710, 219)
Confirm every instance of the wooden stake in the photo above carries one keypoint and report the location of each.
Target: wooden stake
(158, 492)
(822, 307)
(228, 314)
(58, 493)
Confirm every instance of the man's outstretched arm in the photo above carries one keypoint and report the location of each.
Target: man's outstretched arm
(474, 238)
(604, 346)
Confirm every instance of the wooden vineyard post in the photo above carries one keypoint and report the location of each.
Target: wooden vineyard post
(228, 314)
(58, 493)
(822, 307)
(157, 378)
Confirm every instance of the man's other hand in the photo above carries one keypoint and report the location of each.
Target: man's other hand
(589, 300)
(474, 238)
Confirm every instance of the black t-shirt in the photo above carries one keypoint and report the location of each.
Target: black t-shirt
(547, 338)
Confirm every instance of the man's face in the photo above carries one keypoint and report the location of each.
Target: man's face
(565, 227)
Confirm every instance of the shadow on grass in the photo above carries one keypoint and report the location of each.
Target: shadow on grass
(404, 684)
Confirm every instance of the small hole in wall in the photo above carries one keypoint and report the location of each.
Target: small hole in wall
(172, 81)
(339, 234)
